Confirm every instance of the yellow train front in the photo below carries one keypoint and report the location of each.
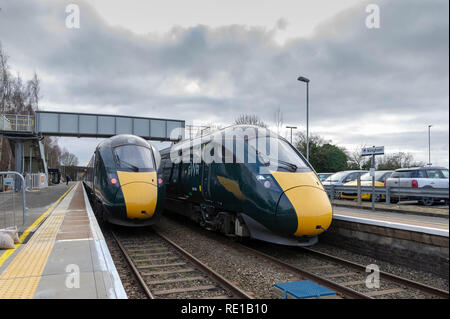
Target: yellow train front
(122, 181)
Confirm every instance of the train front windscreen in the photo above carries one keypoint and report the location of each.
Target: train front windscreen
(285, 156)
(134, 158)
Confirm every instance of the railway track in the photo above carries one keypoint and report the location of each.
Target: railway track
(165, 270)
(347, 278)
(344, 276)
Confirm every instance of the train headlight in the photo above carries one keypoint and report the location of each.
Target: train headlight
(113, 179)
(268, 182)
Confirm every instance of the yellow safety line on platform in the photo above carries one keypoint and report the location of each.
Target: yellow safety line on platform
(24, 235)
(21, 278)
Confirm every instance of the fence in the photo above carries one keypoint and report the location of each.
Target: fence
(16, 123)
(12, 201)
(37, 180)
(334, 191)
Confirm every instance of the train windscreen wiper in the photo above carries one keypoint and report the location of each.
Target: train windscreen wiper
(290, 165)
(266, 161)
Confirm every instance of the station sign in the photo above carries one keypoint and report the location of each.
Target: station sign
(375, 150)
(8, 183)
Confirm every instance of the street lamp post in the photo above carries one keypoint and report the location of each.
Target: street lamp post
(303, 79)
(291, 127)
(429, 145)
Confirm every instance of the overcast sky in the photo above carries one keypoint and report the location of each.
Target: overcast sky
(210, 61)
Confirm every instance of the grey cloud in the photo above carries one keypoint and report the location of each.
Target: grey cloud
(356, 73)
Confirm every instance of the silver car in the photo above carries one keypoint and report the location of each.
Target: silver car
(340, 178)
(420, 177)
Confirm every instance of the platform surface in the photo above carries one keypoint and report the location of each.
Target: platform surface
(427, 224)
(66, 257)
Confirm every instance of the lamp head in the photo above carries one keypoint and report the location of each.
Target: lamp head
(303, 79)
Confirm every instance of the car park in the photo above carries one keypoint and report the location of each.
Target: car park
(340, 178)
(420, 177)
(366, 180)
(324, 176)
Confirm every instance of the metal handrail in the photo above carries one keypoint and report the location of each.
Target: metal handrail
(390, 191)
(16, 123)
(24, 208)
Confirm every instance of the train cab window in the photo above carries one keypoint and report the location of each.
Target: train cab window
(133, 157)
(290, 158)
(285, 158)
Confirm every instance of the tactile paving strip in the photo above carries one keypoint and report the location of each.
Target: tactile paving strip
(21, 278)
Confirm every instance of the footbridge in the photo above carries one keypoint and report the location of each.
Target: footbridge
(25, 132)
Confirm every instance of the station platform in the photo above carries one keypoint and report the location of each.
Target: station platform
(66, 256)
(424, 224)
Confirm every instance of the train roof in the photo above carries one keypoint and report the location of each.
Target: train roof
(124, 139)
(239, 131)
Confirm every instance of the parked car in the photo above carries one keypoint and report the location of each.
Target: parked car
(366, 180)
(420, 177)
(324, 176)
(340, 178)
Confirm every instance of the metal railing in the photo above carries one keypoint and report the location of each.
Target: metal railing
(36, 180)
(16, 123)
(193, 131)
(389, 192)
(12, 201)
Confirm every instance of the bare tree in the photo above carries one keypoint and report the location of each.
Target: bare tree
(17, 97)
(250, 120)
(68, 159)
(33, 89)
(279, 120)
(355, 158)
(397, 160)
(4, 80)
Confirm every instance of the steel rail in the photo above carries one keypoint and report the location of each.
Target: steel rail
(345, 291)
(221, 281)
(238, 292)
(388, 276)
(133, 268)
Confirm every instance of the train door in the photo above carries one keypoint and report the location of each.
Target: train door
(206, 174)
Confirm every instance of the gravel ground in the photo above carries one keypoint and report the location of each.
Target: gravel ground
(253, 274)
(302, 259)
(142, 244)
(402, 271)
(130, 284)
(256, 275)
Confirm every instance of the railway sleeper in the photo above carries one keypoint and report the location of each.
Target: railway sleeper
(181, 290)
(168, 272)
(168, 281)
